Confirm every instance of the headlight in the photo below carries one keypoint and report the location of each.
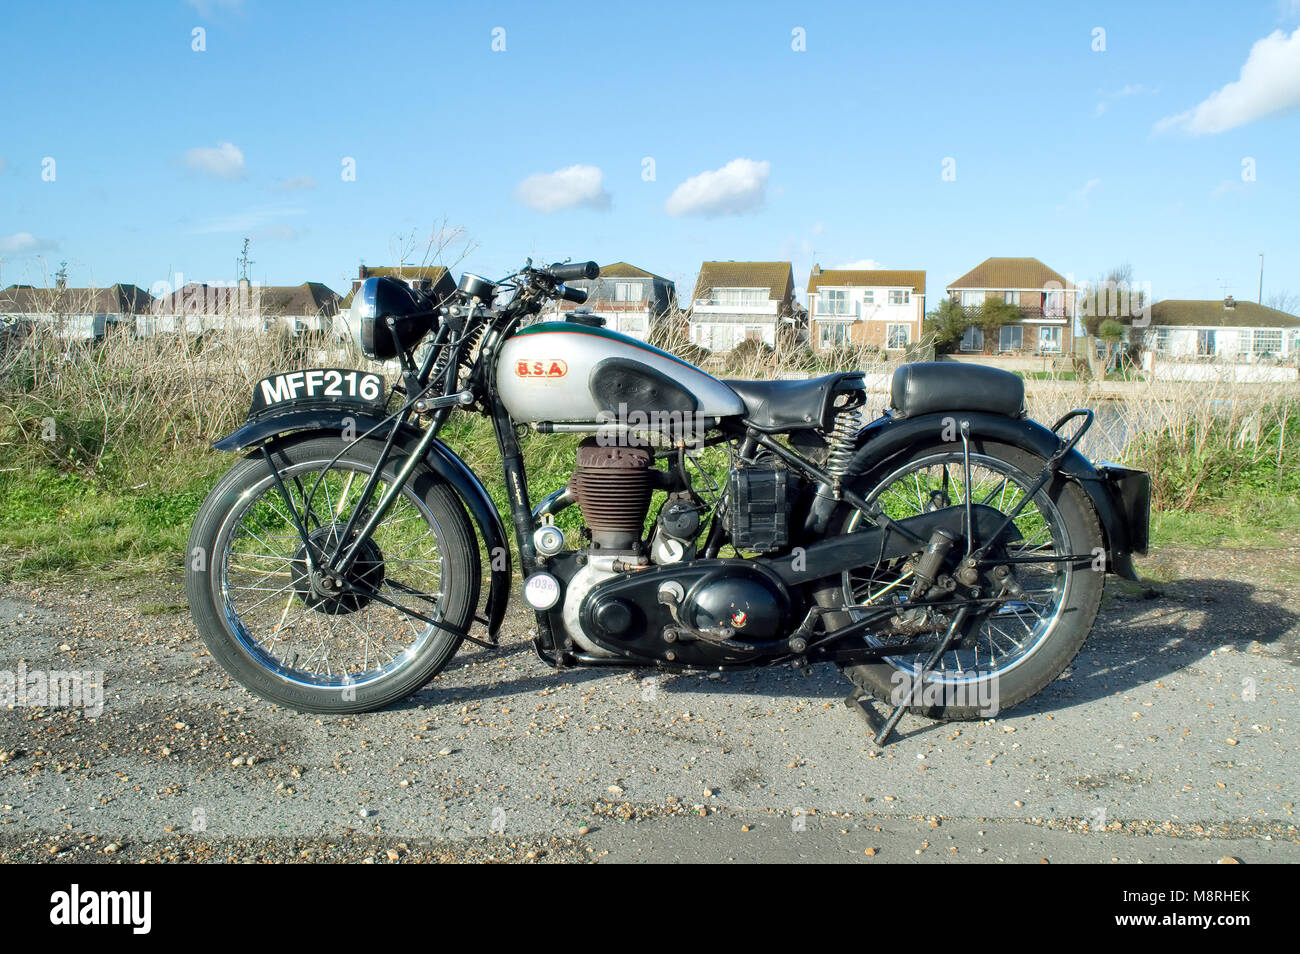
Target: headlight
(387, 317)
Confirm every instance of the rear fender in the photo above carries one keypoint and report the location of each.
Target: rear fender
(1120, 496)
(331, 422)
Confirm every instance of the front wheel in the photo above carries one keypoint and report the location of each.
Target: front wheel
(252, 597)
(1011, 651)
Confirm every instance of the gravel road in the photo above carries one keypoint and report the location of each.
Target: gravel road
(1172, 738)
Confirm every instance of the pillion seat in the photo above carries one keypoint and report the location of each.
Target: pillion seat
(929, 386)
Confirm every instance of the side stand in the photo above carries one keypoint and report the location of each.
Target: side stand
(883, 731)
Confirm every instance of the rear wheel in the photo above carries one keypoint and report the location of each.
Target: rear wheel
(285, 639)
(1011, 651)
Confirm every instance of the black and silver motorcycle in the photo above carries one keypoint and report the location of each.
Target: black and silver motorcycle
(947, 555)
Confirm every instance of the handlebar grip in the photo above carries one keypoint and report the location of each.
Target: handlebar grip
(575, 295)
(568, 273)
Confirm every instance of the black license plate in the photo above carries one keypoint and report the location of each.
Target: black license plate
(319, 386)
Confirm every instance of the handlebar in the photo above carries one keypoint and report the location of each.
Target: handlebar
(578, 270)
(575, 295)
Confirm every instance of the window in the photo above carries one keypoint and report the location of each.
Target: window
(833, 301)
(972, 339)
(972, 299)
(1161, 342)
(628, 291)
(1011, 297)
(739, 297)
(832, 334)
(1205, 342)
(897, 337)
(1054, 304)
(897, 297)
(869, 297)
(1011, 338)
(753, 334)
(1049, 338)
(1267, 341)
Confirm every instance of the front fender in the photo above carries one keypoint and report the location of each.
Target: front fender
(1116, 494)
(441, 459)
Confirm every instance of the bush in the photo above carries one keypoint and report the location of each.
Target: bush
(750, 358)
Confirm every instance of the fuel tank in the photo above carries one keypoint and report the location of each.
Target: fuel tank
(562, 371)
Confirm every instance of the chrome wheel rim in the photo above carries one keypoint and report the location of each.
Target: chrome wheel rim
(1011, 634)
(313, 643)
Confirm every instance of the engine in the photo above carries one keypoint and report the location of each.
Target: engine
(621, 596)
(611, 484)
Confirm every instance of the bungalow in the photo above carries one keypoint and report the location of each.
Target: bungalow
(742, 301)
(630, 299)
(76, 313)
(197, 307)
(879, 308)
(1228, 330)
(1046, 301)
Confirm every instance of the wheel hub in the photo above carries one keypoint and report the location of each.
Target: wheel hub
(323, 593)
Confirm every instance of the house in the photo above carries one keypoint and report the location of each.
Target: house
(1047, 303)
(197, 307)
(307, 308)
(630, 299)
(878, 308)
(75, 313)
(1229, 330)
(742, 301)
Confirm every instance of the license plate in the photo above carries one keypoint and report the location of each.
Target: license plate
(319, 386)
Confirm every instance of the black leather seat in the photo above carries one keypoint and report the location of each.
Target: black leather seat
(778, 406)
(929, 386)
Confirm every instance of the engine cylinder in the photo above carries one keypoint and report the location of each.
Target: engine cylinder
(612, 486)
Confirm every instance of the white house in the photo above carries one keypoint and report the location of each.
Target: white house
(742, 301)
(197, 307)
(74, 313)
(879, 308)
(1227, 330)
(630, 299)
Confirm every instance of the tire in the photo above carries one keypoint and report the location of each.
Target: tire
(1073, 526)
(233, 617)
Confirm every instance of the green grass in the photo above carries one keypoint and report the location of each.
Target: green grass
(1243, 523)
(54, 523)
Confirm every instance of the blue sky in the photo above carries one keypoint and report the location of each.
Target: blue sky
(166, 157)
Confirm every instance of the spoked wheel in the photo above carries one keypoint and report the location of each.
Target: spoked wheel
(295, 636)
(1010, 651)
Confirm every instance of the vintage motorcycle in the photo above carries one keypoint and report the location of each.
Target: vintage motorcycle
(949, 547)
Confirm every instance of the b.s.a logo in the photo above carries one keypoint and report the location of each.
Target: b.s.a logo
(548, 368)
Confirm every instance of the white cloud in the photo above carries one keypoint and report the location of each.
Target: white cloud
(252, 220)
(861, 265)
(1269, 83)
(276, 233)
(1131, 89)
(1228, 187)
(24, 243)
(294, 183)
(736, 188)
(225, 161)
(1079, 197)
(571, 188)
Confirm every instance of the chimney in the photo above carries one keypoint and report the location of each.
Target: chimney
(1229, 304)
(816, 269)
